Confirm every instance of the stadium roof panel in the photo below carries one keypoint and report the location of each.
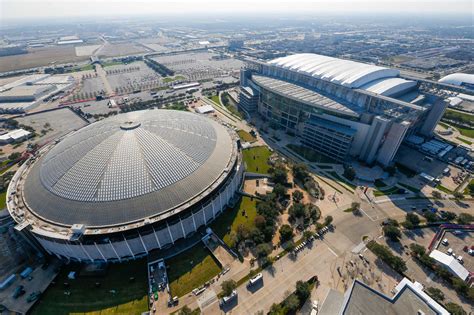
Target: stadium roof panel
(345, 72)
(304, 95)
(458, 78)
(129, 167)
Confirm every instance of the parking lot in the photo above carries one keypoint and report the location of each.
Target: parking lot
(459, 241)
(61, 122)
(133, 76)
(200, 65)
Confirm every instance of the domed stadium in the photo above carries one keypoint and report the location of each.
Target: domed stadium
(121, 187)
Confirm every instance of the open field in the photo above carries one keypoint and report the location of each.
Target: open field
(256, 159)
(130, 297)
(119, 49)
(38, 57)
(243, 213)
(191, 269)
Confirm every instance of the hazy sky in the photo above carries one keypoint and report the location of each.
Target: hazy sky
(17, 9)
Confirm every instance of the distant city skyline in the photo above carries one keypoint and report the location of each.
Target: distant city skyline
(25, 9)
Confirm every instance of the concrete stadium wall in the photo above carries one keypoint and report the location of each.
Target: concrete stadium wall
(139, 246)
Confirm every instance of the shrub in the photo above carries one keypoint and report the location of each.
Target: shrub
(228, 286)
(286, 233)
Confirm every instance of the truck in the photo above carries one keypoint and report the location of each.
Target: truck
(255, 279)
(19, 291)
(226, 299)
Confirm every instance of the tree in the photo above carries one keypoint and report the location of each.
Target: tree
(355, 206)
(455, 309)
(430, 216)
(413, 219)
(392, 232)
(417, 250)
(297, 210)
(260, 221)
(297, 196)
(349, 173)
(435, 293)
(185, 310)
(300, 171)
(279, 174)
(391, 170)
(436, 194)
(328, 220)
(291, 303)
(303, 290)
(458, 195)
(279, 190)
(263, 250)
(460, 286)
(286, 233)
(465, 218)
(276, 309)
(314, 212)
(307, 235)
(14, 156)
(228, 286)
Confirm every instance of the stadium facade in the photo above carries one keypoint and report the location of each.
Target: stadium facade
(339, 107)
(121, 187)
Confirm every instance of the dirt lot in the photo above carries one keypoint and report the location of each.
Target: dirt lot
(38, 57)
(119, 49)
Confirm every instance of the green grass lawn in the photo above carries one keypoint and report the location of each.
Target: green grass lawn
(405, 170)
(445, 126)
(232, 218)
(191, 269)
(256, 159)
(83, 68)
(452, 114)
(387, 192)
(411, 188)
(443, 189)
(467, 132)
(86, 298)
(111, 63)
(245, 136)
(310, 155)
(341, 179)
(379, 183)
(464, 140)
(3, 199)
(215, 98)
(469, 190)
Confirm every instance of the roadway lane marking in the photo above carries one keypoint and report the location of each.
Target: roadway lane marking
(372, 219)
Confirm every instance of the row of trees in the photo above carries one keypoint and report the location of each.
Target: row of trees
(160, 68)
(293, 301)
(304, 178)
(385, 254)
